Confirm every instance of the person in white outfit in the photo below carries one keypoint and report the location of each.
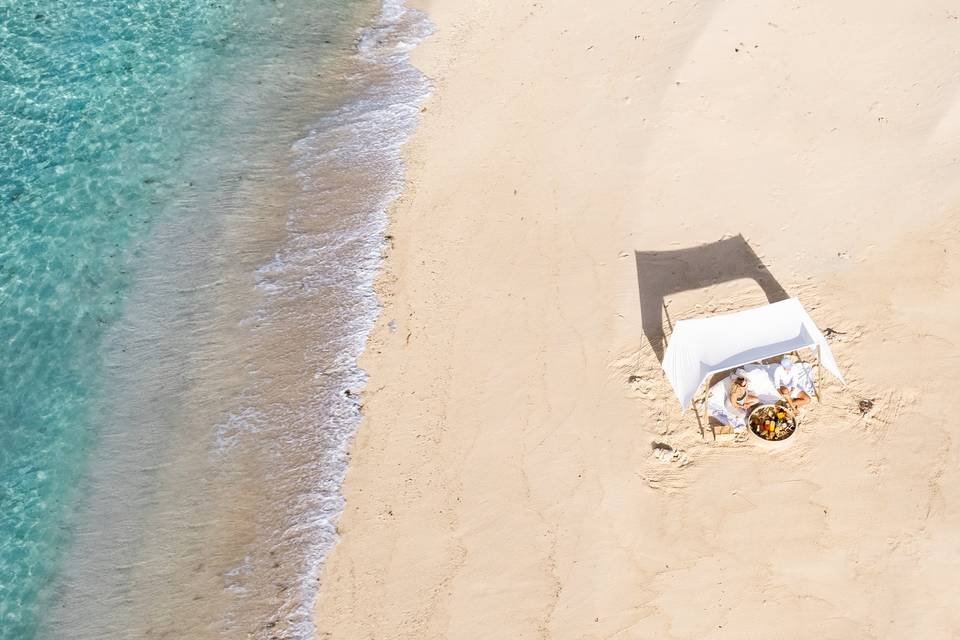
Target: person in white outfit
(786, 380)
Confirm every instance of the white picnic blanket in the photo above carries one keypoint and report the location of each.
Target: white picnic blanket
(759, 383)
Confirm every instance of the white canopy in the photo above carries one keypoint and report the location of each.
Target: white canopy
(701, 347)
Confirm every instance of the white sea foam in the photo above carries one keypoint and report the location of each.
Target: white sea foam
(231, 430)
(350, 169)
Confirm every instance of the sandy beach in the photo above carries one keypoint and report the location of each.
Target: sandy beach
(504, 482)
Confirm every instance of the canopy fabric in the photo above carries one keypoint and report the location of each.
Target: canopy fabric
(701, 347)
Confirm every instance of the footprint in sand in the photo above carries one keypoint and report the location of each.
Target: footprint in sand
(667, 454)
(641, 387)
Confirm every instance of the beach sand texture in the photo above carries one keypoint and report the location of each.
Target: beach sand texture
(504, 483)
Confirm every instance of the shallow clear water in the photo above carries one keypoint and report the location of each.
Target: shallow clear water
(192, 206)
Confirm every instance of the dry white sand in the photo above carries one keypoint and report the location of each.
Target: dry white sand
(504, 482)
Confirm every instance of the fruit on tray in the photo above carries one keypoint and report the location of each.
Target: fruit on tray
(772, 422)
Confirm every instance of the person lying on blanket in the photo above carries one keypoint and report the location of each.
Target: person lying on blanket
(740, 395)
(787, 381)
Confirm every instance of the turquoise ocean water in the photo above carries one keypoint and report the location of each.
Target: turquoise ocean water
(192, 200)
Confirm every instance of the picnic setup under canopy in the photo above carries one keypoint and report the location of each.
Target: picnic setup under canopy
(740, 342)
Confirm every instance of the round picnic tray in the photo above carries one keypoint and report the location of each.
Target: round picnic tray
(754, 429)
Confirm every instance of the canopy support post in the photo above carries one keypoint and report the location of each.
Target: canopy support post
(706, 414)
(696, 412)
(699, 421)
(816, 388)
(666, 314)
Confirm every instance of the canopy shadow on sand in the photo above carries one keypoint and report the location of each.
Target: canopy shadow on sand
(664, 273)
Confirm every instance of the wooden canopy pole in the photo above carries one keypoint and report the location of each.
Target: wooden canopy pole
(699, 421)
(706, 414)
(666, 314)
(816, 389)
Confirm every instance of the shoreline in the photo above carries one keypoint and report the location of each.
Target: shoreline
(226, 421)
(503, 482)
